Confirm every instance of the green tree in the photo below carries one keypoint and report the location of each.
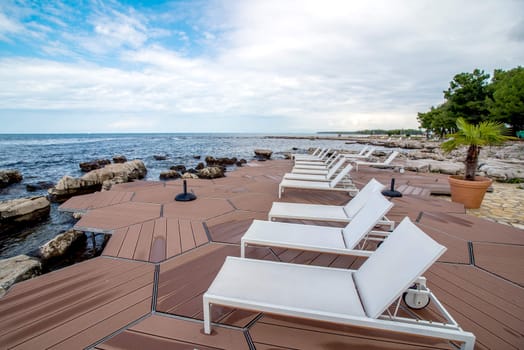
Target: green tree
(438, 120)
(507, 102)
(466, 96)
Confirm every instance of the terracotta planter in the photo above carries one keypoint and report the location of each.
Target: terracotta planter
(469, 193)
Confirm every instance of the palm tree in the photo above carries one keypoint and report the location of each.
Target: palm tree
(487, 133)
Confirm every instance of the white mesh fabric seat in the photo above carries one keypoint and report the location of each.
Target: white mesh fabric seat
(314, 177)
(386, 162)
(315, 153)
(320, 238)
(357, 298)
(365, 155)
(317, 185)
(322, 156)
(336, 213)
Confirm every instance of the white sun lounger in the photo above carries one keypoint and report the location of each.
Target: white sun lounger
(324, 161)
(392, 156)
(314, 177)
(357, 298)
(366, 155)
(336, 213)
(322, 156)
(317, 169)
(315, 153)
(315, 185)
(322, 239)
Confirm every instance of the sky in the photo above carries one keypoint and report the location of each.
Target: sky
(265, 66)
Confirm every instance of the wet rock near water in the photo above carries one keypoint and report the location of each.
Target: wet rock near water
(93, 165)
(241, 162)
(22, 211)
(119, 159)
(212, 161)
(169, 175)
(62, 244)
(189, 175)
(263, 154)
(180, 168)
(40, 185)
(200, 166)
(197, 157)
(212, 172)
(9, 176)
(17, 269)
(94, 180)
(160, 157)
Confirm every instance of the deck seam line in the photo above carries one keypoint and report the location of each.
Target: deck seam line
(195, 320)
(155, 288)
(118, 331)
(206, 230)
(471, 253)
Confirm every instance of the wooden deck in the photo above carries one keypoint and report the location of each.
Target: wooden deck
(145, 291)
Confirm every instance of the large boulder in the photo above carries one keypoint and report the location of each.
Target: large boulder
(94, 164)
(169, 175)
(16, 269)
(91, 182)
(263, 154)
(60, 245)
(8, 177)
(211, 172)
(212, 161)
(119, 159)
(21, 211)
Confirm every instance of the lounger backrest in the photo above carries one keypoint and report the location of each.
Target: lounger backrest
(334, 169)
(363, 196)
(405, 255)
(369, 152)
(317, 151)
(333, 159)
(375, 208)
(340, 175)
(392, 156)
(324, 154)
(363, 150)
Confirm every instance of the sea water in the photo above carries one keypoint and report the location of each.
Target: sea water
(48, 157)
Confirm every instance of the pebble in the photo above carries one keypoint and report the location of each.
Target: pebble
(503, 205)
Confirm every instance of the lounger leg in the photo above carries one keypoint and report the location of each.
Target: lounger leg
(207, 316)
(242, 249)
(280, 190)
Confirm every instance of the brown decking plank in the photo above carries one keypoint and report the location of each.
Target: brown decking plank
(199, 233)
(493, 326)
(48, 303)
(137, 340)
(130, 242)
(473, 229)
(191, 332)
(159, 244)
(143, 247)
(80, 326)
(457, 248)
(115, 242)
(303, 334)
(187, 241)
(55, 282)
(50, 312)
(105, 327)
(118, 215)
(174, 246)
(506, 261)
(493, 290)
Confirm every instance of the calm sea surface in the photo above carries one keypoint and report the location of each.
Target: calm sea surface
(48, 157)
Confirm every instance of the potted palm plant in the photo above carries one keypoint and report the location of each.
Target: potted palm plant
(470, 189)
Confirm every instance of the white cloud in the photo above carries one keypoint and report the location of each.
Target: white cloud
(304, 65)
